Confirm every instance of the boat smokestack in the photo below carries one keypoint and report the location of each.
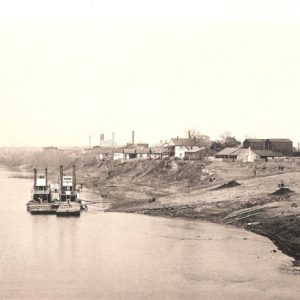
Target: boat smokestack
(132, 137)
(46, 175)
(74, 177)
(34, 177)
(61, 174)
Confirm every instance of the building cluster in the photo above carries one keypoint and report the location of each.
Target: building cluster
(188, 149)
(254, 149)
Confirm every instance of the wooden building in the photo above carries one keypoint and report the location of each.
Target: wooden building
(281, 146)
(254, 144)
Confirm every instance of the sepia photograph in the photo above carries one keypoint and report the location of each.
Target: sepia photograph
(150, 149)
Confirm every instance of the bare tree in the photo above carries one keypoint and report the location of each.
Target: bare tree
(196, 138)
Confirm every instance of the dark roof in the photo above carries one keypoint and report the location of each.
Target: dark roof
(129, 151)
(280, 140)
(180, 142)
(271, 140)
(227, 151)
(255, 140)
(142, 150)
(278, 154)
(119, 150)
(159, 150)
(195, 150)
(266, 153)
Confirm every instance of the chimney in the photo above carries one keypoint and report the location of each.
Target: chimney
(34, 177)
(113, 139)
(133, 137)
(90, 141)
(74, 177)
(101, 137)
(46, 175)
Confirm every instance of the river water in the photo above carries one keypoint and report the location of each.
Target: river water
(125, 256)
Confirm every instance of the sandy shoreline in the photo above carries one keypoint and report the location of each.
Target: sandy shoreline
(246, 206)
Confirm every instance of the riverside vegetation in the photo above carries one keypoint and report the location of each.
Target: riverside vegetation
(190, 189)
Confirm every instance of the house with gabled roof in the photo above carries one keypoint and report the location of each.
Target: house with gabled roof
(142, 153)
(195, 153)
(180, 145)
(159, 152)
(237, 154)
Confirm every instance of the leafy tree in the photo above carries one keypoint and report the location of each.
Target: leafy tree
(217, 146)
(228, 140)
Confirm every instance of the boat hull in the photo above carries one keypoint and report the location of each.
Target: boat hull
(69, 210)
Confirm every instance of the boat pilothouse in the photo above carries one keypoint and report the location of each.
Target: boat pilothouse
(41, 201)
(41, 189)
(68, 191)
(70, 204)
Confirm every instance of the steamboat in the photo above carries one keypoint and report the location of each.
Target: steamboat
(62, 199)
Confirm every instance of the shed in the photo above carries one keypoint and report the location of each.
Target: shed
(142, 153)
(194, 154)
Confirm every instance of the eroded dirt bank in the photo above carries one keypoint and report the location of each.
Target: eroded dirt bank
(251, 205)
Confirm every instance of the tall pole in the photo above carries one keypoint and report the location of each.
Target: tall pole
(46, 175)
(61, 174)
(90, 141)
(132, 137)
(74, 177)
(34, 177)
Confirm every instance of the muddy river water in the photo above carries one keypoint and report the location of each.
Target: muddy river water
(124, 256)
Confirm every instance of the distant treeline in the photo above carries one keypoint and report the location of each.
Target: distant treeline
(29, 158)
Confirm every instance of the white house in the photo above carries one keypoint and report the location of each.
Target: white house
(159, 153)
(118, 154)
(142, 153)
(181, 146)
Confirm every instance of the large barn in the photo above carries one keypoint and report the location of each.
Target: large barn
(283, 146)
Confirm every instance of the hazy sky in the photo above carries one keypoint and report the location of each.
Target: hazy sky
(70, 69)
